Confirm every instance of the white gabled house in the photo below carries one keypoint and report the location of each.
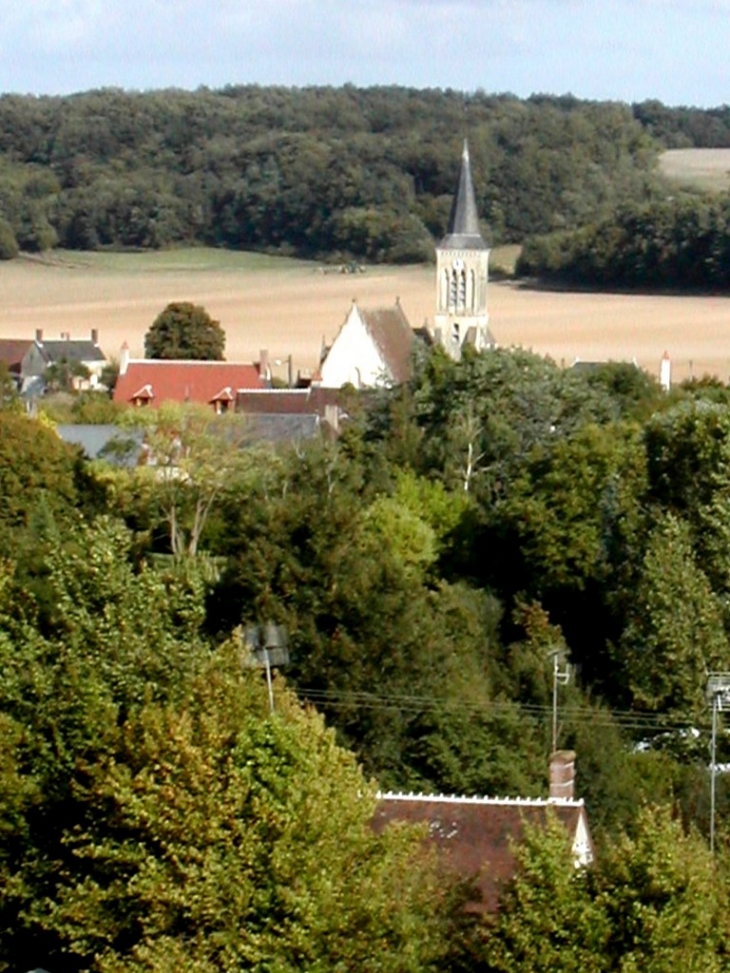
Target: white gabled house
(372, 349)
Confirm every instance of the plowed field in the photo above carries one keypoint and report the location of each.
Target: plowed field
(290, 307)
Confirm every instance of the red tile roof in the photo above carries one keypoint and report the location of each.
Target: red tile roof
(474, 836)
(185, 381)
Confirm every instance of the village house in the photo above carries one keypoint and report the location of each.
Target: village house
(28, 360)
(150, 382)
(475, 837)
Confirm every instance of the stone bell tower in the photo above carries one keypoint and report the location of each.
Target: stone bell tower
(462, 268)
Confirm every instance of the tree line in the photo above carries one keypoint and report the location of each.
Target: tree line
(677, 243)
(318, 172)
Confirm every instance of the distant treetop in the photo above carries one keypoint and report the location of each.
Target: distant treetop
(185, 331)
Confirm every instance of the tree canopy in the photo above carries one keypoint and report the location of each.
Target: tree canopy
(185, 331)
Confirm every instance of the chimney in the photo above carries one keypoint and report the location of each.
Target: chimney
(264, 367)
(665, 372)
(39, 335)
(124, 359)
(95, 335)
(562, 775)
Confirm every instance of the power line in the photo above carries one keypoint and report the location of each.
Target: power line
(412, 704)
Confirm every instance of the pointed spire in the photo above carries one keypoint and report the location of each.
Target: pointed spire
(463, 232)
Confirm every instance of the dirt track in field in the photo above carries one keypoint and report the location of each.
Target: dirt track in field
(290, 311)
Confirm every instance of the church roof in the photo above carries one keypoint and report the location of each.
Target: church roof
(393, 336)
(463, 232)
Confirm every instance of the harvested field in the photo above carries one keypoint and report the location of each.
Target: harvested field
(289, 307)
(697, 168)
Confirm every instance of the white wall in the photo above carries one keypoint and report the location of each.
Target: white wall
(353, 357)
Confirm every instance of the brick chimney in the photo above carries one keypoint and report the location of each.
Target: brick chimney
(562, 775)
(39, 335)
(95, 335)
(124, 359)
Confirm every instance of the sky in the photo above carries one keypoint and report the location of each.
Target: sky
(622, 50)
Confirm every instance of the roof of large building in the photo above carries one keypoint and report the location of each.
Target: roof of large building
(185, 381)
(463, 229)
(475, 837)
(393, 337)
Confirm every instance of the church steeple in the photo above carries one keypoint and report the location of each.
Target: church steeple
(463, 232)
(462, 269)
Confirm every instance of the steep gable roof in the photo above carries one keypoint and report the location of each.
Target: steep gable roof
(185, 381)
(393, 336)
(475, 836)
(463, 229)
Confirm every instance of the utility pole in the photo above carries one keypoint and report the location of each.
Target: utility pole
(561, 677)
(718, 694)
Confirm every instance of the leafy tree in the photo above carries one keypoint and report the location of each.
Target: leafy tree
(153, 811)
(664, 900)
(548, 920)
(8, 243)
(34, 464)
(185, 331)
(675, 634)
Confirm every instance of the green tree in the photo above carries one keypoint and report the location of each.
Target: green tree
(8, 243)
(664, 898)
(185, 331)
(548, 920)
(675, 631)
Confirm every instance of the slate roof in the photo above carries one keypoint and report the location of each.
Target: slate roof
(393, 336)
(463, 229)
(118, 446)
(71, 350)
(474, 836)
(12, 352)
(185, 381)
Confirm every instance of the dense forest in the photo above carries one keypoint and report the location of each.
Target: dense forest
(427, 566)
(318, 172)
(678, 243)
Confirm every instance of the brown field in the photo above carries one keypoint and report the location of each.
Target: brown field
(289, 307)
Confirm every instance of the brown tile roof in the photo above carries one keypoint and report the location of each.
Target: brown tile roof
(309, 401)
(12, 352)
(185, 381)
(393, 336)
(474, 836)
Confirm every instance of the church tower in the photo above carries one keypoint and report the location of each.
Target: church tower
(462, 267)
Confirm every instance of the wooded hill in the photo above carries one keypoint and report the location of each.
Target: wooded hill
(318, 172)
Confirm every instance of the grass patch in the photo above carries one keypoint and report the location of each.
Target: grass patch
(187, 260)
